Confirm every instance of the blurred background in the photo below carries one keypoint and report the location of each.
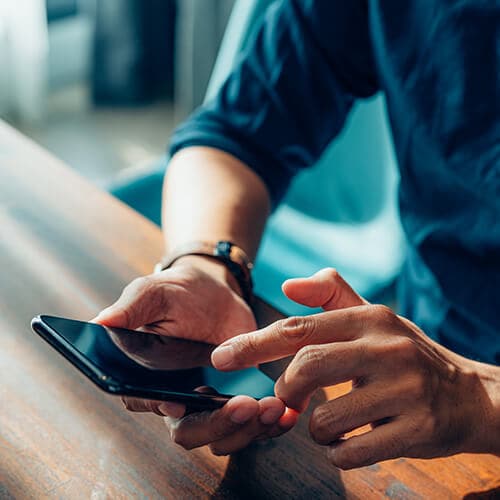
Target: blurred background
(101, 84)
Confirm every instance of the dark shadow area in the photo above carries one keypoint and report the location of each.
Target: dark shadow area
(492, 494)
(288, 467)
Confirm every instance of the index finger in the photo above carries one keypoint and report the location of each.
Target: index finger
(285, 337)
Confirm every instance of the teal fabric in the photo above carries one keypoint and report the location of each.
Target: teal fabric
(292, 91)
(343, 211)
(143, 192)
(344, 216)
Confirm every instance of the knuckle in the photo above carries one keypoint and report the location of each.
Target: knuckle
(364, 352)
(350, 457)
(308, 362)
(249, 343)
(244, 346)
(221, 431)
(322, 425)
(405, 349)
(332, 274)
(180, 438)
(140, 285)
(296, 329)
(418, 388)
(429, 425)
(141, 290)
(220, 427)
(383, 315)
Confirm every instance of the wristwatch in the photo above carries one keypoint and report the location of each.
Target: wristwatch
(232, 256)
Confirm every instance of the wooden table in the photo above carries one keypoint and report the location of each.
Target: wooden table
(67, 248)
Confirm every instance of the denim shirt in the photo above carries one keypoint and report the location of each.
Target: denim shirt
(438, 63)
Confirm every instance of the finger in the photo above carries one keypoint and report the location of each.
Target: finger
(317, 366)
(367, 405)
(253, 431)
(382, 443)
(287, 336)
(272, 410)
(140, 303)
(199, 429)
(326, 289)
(173, 410)
(288, 419)
(161, 408)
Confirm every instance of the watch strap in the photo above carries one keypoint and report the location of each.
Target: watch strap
(226, 252)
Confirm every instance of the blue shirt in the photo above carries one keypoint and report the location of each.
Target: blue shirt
(438, 63)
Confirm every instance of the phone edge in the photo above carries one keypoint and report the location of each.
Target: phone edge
(113, 387)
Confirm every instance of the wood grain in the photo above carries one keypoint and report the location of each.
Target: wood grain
(66, 248)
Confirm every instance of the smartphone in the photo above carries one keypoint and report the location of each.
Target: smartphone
(148, 365)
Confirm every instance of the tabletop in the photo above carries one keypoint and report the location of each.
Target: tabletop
(67, 248)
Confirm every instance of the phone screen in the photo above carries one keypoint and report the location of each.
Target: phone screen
(157, 362)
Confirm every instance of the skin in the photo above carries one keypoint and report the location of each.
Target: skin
(420, 399)
(186, 301)
(198, 298)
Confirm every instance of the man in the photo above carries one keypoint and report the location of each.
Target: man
(438, 63)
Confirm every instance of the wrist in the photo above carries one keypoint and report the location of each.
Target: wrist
(213, 267)
(485, 424)
(490, 378)
(232, 257)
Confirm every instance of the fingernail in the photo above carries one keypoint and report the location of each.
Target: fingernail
(288, 419)
(102, 314)
(271, 416)
(242, 414)
(223, 356)
(170, 409)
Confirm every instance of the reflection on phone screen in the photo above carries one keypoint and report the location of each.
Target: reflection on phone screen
(154, 361)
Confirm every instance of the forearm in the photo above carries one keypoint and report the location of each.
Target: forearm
(210, 195)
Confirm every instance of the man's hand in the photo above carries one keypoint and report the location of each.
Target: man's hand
(421, 399)
(195, 300)
(238, 423)
(191, 300)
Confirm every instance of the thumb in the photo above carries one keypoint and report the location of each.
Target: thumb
(137, 306)
(326, 289)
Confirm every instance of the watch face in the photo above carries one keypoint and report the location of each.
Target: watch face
(223, 248)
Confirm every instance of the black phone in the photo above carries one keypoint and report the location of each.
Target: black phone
(148, 365)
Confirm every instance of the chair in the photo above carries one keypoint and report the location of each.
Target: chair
(342, 212)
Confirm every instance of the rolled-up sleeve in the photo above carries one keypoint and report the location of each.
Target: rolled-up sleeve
(290, 90)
